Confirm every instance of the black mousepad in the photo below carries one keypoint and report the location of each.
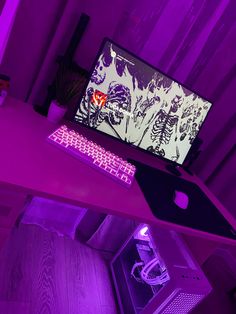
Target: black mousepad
(159, 189)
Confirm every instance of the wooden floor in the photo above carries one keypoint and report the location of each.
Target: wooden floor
(41, 273)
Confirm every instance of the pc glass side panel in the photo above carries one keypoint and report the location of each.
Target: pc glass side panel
(130, 281)
(136, 103)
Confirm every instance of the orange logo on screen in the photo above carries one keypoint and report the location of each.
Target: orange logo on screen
(99, 98)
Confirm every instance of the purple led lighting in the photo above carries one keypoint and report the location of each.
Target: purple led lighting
(143, 231)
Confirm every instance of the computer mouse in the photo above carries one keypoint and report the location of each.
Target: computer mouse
(181, 199)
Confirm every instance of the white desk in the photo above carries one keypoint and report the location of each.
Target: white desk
(31, 165)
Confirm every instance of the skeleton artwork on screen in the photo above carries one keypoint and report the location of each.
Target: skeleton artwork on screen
(132, 101)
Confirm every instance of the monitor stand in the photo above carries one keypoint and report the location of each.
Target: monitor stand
(188, 170)
(173, 170)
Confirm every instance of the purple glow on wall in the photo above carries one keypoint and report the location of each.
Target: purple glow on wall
(7, 15)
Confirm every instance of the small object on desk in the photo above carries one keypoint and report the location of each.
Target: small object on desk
(4, 87)
(93, 154)
(3, 95)
(56, 112)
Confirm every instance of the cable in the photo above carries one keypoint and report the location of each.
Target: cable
(157, 280)
(137, 264)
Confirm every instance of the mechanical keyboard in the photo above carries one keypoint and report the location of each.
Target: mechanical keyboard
(93, 154)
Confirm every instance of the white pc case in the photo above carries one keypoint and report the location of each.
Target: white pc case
(177, 281)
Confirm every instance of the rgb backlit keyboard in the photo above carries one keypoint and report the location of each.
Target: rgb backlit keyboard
(93, 154)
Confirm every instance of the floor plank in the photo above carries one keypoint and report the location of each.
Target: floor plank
(52, 274)
(14, 308)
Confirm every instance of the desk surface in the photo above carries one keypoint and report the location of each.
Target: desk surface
(29, 162)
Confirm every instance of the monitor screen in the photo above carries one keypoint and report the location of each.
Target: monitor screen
(136, 103)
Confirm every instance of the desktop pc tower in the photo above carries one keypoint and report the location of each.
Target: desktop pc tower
(154, 272)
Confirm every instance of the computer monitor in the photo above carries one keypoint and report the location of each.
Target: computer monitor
(134, 102)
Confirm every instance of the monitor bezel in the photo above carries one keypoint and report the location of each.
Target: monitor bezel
(104, 41)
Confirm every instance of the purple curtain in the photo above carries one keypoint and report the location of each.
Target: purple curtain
(2, 3)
